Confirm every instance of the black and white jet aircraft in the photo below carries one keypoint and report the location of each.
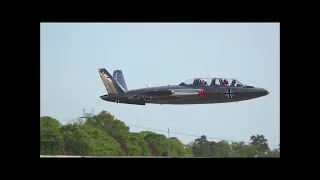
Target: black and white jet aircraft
(192, 91)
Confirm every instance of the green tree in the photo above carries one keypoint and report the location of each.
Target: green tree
(240, 149)
(106, 122)
(51, 140)
(235, 149)
(247, 150)
(104, 135)
(188, 150)
(145, 133)
(136, 145)
(114, 128)
(260, 143)
(176, 148)
(200, 147)
(221, 149)
(88, 140)
(276, 152)
(158, 143)
(133, 144)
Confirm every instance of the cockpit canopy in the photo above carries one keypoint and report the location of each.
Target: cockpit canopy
(211, 82)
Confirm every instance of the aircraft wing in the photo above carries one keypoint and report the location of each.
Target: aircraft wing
(169, 94)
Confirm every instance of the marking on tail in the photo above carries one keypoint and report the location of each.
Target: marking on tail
(111, 85)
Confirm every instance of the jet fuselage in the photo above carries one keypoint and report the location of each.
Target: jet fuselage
(211, 94)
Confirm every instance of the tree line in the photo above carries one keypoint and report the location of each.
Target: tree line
(104, 135)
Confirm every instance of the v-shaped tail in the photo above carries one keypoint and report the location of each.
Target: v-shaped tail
(111, 85)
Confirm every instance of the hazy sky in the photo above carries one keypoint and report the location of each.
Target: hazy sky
(163, 54)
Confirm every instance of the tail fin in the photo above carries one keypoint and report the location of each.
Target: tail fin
(118, 75)
(111, 85)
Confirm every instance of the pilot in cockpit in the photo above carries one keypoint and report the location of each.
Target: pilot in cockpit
(225, 82)
(204, 82)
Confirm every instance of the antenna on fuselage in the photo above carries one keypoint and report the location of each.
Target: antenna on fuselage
(146, 85)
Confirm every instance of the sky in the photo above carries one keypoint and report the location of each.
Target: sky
(163, 54)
